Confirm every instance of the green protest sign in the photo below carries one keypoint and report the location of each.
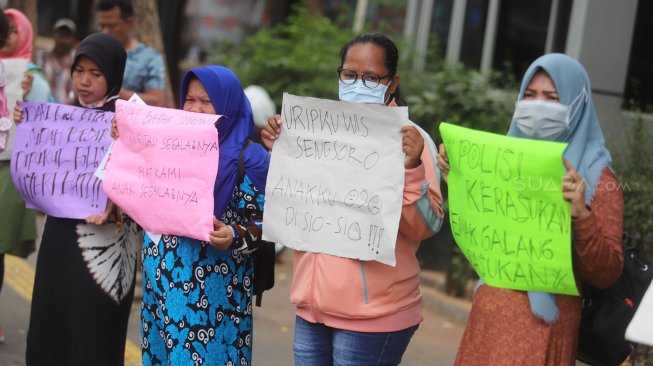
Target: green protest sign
(506, 209)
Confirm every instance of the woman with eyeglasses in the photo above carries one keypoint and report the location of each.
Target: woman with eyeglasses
(353, 312)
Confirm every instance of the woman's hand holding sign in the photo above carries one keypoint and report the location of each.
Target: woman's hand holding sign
(271, 132)
(573, 191)
(101, 218)
(221, 237)
(114, 129)
(18, 114)
(412, 145)
(443, 163)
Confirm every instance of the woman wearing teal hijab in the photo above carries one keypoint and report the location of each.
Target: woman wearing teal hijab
(534, 328)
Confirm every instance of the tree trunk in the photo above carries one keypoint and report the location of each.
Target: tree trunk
(148, 31)
(316, 7)
(29, 8)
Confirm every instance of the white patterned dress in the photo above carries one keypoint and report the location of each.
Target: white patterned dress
(83, 290)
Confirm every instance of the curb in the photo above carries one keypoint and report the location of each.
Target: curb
(436, 300)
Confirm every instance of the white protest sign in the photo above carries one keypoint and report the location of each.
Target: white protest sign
(336, 179)
(640, 329)
(15, 70)
(100, 172)
(135, 98)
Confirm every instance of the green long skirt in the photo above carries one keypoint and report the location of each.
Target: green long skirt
(17, 224)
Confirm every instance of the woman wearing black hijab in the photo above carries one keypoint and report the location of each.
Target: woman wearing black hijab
(85, 270)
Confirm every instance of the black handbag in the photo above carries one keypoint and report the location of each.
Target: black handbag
(607, 313)
(264, 257)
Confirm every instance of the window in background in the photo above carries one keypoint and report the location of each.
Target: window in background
(473, 33)
(521, 34)
(639, 82)
(561, 26)
(440, 23)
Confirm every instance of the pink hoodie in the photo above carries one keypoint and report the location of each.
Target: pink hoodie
(368, 296)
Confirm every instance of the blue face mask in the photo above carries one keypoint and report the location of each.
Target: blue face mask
(357, 92)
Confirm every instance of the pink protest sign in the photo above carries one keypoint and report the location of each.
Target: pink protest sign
(57, 148)
(162, 169)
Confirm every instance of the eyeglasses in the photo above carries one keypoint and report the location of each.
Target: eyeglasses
(369, 80)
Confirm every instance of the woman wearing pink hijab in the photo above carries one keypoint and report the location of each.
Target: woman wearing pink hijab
(17, 224)
(19, 45)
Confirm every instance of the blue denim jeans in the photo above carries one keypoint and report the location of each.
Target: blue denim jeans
(319, 345)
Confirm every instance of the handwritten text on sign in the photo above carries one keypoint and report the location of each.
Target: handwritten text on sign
(506, 209)
(162, 169)
(56, 151)
(336, 178)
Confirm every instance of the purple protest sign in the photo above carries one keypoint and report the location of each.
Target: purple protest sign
(57, 149)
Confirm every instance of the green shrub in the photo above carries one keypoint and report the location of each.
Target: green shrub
(635, 169)
(457, 95)
(299, 56)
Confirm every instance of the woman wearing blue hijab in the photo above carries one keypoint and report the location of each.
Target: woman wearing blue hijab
(534, 328)
(197, 296)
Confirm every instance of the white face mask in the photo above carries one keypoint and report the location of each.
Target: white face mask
(541, 119)
(357, 92)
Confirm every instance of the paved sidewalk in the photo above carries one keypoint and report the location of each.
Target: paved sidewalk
(435, 343)
(436, 300)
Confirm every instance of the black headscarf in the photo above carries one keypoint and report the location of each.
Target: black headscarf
(110, 56)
